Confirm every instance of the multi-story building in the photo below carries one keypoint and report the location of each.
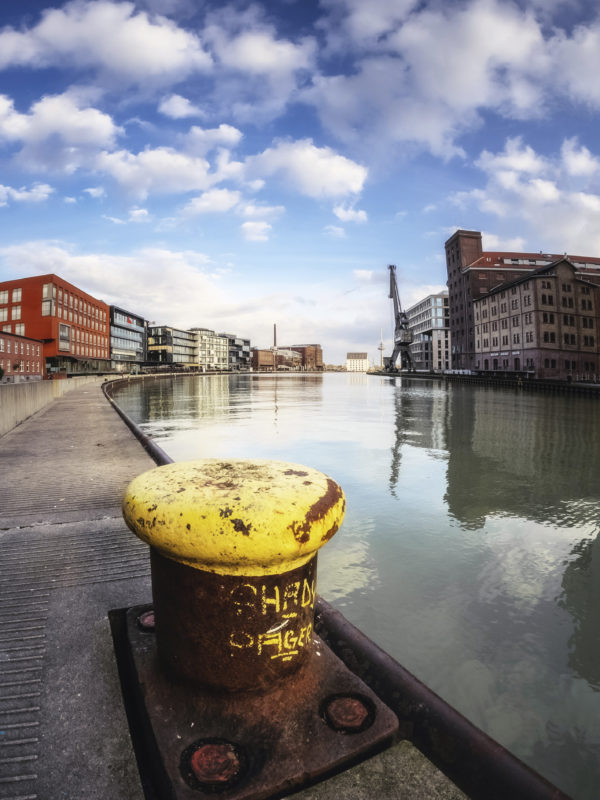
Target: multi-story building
(212, 349)
(544, 324)
(73, 325)
(474, 273)
(357, 362)
(284, 359)
(239, 357)
(128, 340)
(312, 355)
(21, 359)
(168, 345)
(429, 323)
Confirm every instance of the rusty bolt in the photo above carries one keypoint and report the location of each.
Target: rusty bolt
(348, 713)
(212, 764)
(145, 621)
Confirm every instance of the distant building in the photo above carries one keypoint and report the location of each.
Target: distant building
(430, 325)
(286, 359)
(474, 273)
(544, 324)
(128, 340)
(238, 352)
(357, 362)
(73, 325)
(312, 355)
(212, 349)
(21, 359)
(167, 345)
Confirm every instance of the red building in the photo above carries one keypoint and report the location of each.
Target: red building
(72, 325)
(21, 359)
(474, 272)
(312, 355)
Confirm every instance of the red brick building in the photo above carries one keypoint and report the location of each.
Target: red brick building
(312, 355)
(473, 273)
(72, 325)
(21, 359)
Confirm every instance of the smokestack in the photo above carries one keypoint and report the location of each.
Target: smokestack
(274, 334)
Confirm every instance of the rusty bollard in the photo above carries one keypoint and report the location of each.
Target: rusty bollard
(233, 554)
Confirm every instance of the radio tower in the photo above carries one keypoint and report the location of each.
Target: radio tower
(381, 347)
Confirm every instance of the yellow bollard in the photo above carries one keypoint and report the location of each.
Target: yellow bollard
(233, 554)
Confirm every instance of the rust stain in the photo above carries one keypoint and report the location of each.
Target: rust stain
(141, 522)
(301, 530)
(296, 472)
(225, 512)
(241, 527)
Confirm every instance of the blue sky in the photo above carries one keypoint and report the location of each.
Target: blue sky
(235, 165)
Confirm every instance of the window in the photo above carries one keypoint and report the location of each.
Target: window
(515, 321)
(549, 336)
(16, 312)
(47, 308)
(4, 296)
(16, 295)
(516, 338)
(64, 337)
(3, 314)
(20, 329)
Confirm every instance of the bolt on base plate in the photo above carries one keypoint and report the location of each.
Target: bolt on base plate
(195, 743)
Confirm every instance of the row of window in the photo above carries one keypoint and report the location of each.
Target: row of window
(17, 296)
(22, 365)
(26, 348)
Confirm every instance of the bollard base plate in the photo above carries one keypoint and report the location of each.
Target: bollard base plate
(194, 743)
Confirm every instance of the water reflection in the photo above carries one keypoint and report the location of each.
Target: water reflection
(470, 547)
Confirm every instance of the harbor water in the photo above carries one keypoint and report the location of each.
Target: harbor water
(470, 549)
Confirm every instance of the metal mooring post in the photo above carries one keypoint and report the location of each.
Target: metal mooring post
(234, 561)
(239, 693)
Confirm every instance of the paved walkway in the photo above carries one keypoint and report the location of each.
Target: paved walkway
(66, 560)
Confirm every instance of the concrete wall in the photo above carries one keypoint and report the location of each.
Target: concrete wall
(20, 400)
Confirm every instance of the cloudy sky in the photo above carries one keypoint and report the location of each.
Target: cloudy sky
(235, 165)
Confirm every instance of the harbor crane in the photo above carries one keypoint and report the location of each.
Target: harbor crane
(402, 335)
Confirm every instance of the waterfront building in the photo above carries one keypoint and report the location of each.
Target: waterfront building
(238, 352)
(474, 273)
(73, 325)
(312, 355)
(429, 322)
(284, 359)
(128, 340)
(544, 324)
(357, 362)
(168, 345)
(211, 349)
(21, 359)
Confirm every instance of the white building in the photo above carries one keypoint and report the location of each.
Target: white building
(430, 324)
(212, 349)
(357, 362)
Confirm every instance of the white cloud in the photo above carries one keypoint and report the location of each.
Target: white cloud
(335, 231)
(556, 198)
(256, 211)
(256, 231)
(212, 201)
(313, 171)
(139, 214)
(70, 200)
(56, 133)
(578, 160)
(161, 170)
(38, 193)
(362, 24)
(110, 37)
(349, 214)
(199, 141)
(95, 191)
(178, 107)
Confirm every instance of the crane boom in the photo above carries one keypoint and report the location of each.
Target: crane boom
(402, 335)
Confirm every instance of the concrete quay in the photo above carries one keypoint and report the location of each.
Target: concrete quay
(67, 559)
